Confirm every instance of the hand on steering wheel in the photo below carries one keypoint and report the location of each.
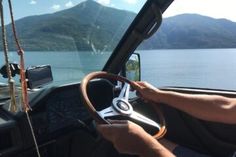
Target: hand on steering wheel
(120, 105)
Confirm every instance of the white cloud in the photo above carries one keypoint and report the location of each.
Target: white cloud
(33, 2)
(69, 4)
(56, 7)
(131, 1)
(104, 2)
(212, 8)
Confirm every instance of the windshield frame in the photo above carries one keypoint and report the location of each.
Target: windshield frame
(130, 41)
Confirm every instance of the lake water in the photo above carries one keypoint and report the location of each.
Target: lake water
(205, 68)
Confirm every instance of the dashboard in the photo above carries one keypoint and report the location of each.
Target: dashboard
(63, 108)
(60, 121)
(56, 112)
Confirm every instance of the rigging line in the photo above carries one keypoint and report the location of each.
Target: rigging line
(11, 82)
(33, 135)
(13, 25)
(25, 101)
(20, 52)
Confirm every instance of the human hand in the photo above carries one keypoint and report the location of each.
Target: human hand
(127, 137)
(147, 91)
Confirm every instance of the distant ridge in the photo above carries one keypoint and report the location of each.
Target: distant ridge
(194, 31)
(77, 28)
(81, 28)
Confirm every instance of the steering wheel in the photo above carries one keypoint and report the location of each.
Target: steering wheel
(120, 105)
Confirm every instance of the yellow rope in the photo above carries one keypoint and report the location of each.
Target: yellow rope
(25, 101)
(11, 82)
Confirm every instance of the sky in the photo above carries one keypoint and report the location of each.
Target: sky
(212, 8)
(22, 8)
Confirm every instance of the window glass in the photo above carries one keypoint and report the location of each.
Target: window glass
(74, 37)
(194, 47)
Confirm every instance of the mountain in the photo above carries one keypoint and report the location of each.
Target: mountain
(193, 31)
(82, 28)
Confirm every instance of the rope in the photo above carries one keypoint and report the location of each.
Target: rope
(20, 52)
(25, 100)
(11, 82)
(13, 25)
(33, 135)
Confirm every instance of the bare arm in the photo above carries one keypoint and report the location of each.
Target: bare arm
(129, 138)
(207, 107)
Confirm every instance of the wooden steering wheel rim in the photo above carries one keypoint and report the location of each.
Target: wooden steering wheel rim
(92, 110)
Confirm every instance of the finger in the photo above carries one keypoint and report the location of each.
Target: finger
(140, 83)
(118, 121)
(137, 85)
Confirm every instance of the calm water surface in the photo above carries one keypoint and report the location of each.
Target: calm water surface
(206, 68)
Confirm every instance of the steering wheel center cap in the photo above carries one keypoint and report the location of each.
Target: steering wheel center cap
(122, 106)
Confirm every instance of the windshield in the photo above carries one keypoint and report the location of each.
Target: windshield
(194, 47)
(73, 37)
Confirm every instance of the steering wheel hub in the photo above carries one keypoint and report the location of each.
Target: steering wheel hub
(122, 106)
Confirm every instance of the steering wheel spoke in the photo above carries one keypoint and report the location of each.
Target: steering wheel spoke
(108, 112)
(139, 117)
(124, 94)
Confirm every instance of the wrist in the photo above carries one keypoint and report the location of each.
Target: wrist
(150, 148)
(157, 95)
(153, 149)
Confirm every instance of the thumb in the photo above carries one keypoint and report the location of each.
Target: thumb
(136, 85)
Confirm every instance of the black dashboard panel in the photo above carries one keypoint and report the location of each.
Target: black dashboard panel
(9, 134)
(55, 113)
(63, 107)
